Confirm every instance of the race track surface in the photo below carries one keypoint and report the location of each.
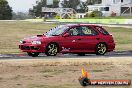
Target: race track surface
(66, 56)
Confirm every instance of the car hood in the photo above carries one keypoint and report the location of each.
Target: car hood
(33, 38)
(41, 38)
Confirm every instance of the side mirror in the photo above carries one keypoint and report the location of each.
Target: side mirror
(66, 35)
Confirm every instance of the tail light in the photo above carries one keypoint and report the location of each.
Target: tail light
(111, 40)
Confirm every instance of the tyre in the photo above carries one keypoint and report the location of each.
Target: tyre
(52, 49)
(33, 54)
(101, 49)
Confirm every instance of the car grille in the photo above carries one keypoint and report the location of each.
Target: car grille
(34, 48)
(25, 47)
(28, 47)
(23, 42)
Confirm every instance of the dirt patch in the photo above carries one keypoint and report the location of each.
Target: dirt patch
(61, 73)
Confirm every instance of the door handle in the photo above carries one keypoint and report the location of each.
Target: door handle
(98, 38)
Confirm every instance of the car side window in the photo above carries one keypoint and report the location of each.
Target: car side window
(82, 31)
(77, 31)
(102, 30)
(88, 31)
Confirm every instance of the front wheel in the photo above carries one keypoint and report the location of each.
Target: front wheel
(52, 49)
(33, 54)
(101, 49)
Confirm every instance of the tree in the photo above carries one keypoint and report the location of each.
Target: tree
(37, 9)
(5, 10)
(91, 2)
(20, 16)
(83, 7)
(70, 4)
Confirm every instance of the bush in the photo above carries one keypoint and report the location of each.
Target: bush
(57, 17)
(87, 15)
(96, 14)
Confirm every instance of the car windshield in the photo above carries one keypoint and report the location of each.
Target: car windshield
(57, 30)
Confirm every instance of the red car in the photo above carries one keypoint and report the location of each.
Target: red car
(71, 38)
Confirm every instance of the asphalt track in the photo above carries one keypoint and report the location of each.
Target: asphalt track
(65, 56)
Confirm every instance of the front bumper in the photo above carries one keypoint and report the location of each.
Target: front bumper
(32, 48)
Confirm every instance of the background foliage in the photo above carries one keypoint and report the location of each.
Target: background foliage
(5, 10)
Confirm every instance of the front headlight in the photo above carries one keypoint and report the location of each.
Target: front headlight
(21, 41)
(36, 42)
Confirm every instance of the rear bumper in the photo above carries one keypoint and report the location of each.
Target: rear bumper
(32, 48)
(111, 47)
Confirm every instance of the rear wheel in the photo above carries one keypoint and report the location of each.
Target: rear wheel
(33, 54)
(101, 49)
(52, 49)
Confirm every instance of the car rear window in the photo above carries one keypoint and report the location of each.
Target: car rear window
(102, 30)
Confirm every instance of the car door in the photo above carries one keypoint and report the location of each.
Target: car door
(88, 39)
(70, 43)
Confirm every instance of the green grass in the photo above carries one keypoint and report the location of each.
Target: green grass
(12, 32)
(122, 37)
(117, 17)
